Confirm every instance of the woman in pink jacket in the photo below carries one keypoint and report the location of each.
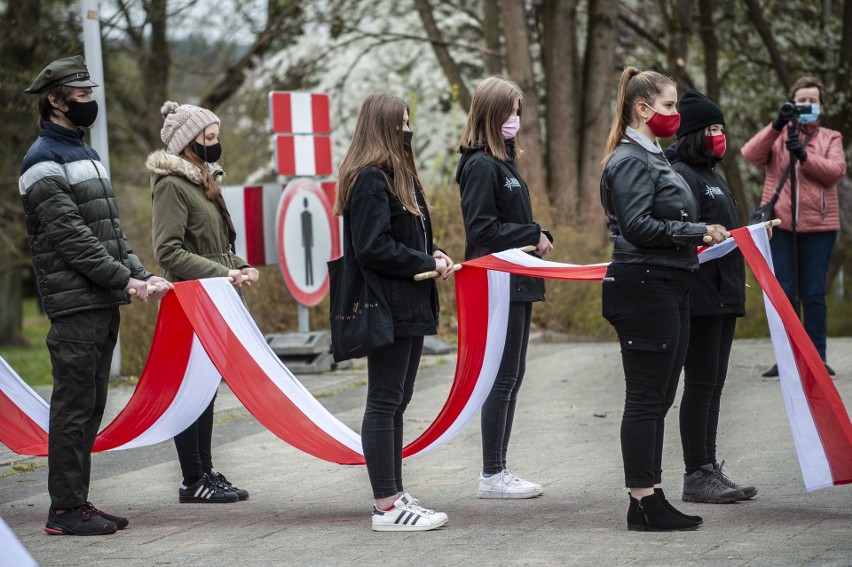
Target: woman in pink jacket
(820, 165)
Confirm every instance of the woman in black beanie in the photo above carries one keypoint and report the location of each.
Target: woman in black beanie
(716, 299)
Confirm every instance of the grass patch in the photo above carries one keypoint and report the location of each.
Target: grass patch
(18, 468)
(32, 362)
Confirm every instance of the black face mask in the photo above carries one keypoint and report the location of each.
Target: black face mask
(406, 139)
(82, 114)
(210, 154)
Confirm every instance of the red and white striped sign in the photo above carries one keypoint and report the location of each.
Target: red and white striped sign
(303, 155)
(254, 211)
(299, 113)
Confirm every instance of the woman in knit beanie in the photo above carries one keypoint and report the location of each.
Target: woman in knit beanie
(716, 299)
(194, 238)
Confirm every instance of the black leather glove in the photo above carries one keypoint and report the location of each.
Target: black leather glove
(795, 147)
(785, 114)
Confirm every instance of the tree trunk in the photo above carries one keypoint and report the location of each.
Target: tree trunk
(520, 65)
(156, 64)
(448, 64)
(597, 99)
(562, 121)
(491, 31)
(762, 27)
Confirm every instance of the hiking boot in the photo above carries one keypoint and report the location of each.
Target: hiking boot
(650, 514)
(219, 478)
(79, 521)
(506, 485)
(205, 491)
(748, 491)
(703, 486)
(117, 520)
(407, 515)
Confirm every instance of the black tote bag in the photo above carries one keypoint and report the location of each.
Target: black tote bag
(359, 315)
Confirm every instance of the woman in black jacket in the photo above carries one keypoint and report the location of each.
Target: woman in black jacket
(497, 213)
(716, 299)
(384, 208)
(653, 217)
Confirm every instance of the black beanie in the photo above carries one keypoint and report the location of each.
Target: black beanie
(697, 112)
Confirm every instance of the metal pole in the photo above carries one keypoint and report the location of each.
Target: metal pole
(304, 322)
(98, 132)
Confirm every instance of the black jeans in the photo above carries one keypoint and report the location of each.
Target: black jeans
(80, 346)
(194, 446)
(649, 308)
(498, 412)
(705, 370)
(390, 384)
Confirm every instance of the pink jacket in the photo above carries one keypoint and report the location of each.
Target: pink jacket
(818, 176)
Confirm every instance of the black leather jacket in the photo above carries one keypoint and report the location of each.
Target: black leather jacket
(649, 209)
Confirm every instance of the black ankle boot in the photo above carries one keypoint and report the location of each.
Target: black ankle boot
(650, 515)
(667, 504)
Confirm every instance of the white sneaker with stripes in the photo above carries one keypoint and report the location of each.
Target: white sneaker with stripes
(506, 485)
(407, 515)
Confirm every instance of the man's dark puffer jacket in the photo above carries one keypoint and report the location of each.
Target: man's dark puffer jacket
(81, 257)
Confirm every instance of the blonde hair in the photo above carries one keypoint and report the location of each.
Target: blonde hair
(634, 85)
(378, 142)
(492, 104)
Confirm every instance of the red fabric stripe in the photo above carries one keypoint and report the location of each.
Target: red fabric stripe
(18, 432)
(285, 154)
(473, 326)
(250, 383)
(320, 114)
(322, 155)
(160, 380)
(827, 409)
(254, 226)
(282, 120)
(563, 273)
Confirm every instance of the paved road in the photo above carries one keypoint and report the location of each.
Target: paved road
(304, 511)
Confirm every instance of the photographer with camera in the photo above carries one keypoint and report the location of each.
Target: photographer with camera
(804, 163)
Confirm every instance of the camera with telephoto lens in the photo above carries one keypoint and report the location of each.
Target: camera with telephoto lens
(790, 110)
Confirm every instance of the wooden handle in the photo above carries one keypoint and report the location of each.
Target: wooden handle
(132, 291)
(773, 222)
(433, 274)
(707, 238)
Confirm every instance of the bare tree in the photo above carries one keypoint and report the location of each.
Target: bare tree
(451, 69)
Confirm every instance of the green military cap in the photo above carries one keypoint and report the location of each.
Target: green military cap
(70, 72)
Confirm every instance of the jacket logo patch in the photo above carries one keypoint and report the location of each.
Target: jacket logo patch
(511, 183)
(713, 191)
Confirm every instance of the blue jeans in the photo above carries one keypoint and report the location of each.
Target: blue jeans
(814, 252)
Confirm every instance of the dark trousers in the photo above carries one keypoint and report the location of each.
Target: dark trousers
(390, 384)
(81, 347)
(813, 253)
(705, 369)
(194, 446)
(498, 412)
(649, 308)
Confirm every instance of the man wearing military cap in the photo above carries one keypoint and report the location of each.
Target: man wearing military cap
(84, 270)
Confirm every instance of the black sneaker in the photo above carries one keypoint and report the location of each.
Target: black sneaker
(219, 478)
(772, 372)
(205, 491)
(119, 521)
(79, 521)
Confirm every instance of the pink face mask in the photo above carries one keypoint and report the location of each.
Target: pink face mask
(716, 145)
(663, 125)
(510, 127)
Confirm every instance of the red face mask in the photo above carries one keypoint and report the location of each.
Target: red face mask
(716, 145)
(663, 125)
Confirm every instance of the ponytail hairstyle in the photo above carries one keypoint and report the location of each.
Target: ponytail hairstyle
(492, 104)
(635, 85)
(378, 142)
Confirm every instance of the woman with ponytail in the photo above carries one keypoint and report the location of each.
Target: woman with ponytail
(653, 217)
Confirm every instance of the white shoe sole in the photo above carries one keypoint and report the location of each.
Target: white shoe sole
(405, 528)
(497, 494)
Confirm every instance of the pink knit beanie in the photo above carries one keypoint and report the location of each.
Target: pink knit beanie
(183, 122)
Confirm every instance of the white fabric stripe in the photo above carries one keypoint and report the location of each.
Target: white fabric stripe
(235, 200)
(301, 113)
(38, 172)
(271, 196)
(719, 250)
(14, 552)
(84, 170)
(199, 384)
(23, 396)
(515, 256)
(498, 318)
(243, 326)
(813, 461)
(303, 146)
